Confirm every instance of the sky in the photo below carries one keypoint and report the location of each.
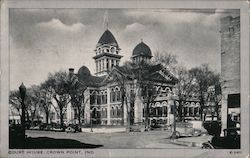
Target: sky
(44, 41)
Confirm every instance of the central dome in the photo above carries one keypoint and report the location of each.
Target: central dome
(84, 71)
(142, 50)
(107, 38)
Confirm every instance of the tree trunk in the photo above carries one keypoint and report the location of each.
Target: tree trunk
(146, 111)
(28, 118)
(128, 115)
(180, 107)
(79, 117)
(47, 117)
(61, 119)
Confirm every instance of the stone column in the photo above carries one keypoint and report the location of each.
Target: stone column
(108, 106)
(170, 116)
(224, 112)
(101, 61)
(125, 114)
(105, 64)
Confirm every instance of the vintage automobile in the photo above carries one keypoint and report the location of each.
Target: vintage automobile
(212, 127)
(185, 129)
(231, 140)
(72, 128)
(137, 127)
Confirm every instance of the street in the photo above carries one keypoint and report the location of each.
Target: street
(132, 140)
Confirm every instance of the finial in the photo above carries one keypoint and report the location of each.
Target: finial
(141, 40)
(105, 20)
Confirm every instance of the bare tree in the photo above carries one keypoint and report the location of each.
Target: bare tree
(76, 92)
(60, 84)
(168, 60)
(185, 87)
(46, 94)
(33, 101)
(204, 77)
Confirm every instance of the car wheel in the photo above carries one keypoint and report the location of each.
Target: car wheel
(177, 134)
(207, 146)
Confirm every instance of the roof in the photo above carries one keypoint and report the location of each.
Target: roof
(155, 73)
(85, 77)
(149, 72)
(84, 71)
(91, 81)
(107, 38)
(142, 49)
(108, 54)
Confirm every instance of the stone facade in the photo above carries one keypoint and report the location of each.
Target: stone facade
(230, 65)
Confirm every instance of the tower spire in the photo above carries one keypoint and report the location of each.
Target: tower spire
(105, 20)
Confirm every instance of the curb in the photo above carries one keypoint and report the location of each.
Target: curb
(186, 143)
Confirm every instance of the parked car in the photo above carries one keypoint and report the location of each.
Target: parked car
(185, 129)
(231, 140)
(73, 128)
(137, 127)
(35, 127)
(157, 126)
(212, 127)
(57, 128)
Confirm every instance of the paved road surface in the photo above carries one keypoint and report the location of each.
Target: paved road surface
(152, 139)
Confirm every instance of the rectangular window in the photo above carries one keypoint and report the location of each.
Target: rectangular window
(234, 100)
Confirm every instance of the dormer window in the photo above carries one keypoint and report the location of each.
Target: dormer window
(99, 51)
(113, 50)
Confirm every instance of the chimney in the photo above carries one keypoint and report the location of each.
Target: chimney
(71, 72)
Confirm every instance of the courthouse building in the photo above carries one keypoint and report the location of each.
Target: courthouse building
(103, 97)
(104, 93)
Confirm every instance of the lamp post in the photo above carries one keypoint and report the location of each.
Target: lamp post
(22, 90)
(173, 98)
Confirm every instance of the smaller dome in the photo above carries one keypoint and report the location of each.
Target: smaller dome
(84, 71)
(142, 50)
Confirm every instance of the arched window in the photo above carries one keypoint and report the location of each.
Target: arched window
(185, 111)
(107, 64)
(94, 113)
(98, 99)
(114, 112)
(117, 112)
(196, 111)
(93, 97)
(118, 95)
(112, 95)
(112, 63)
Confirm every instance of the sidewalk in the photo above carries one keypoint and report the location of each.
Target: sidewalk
(104, 130)
(191, 141)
